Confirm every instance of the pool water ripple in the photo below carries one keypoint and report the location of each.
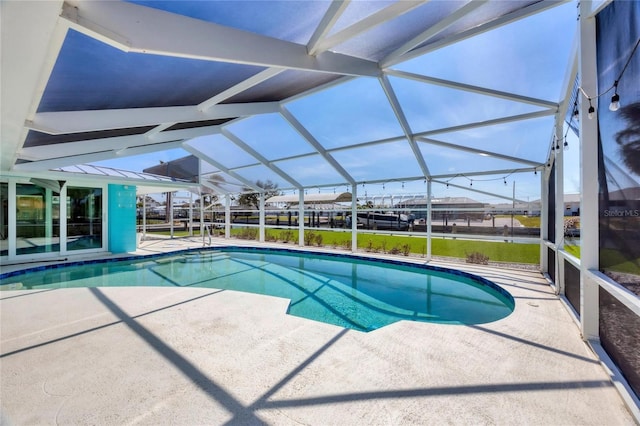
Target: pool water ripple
(348, 291)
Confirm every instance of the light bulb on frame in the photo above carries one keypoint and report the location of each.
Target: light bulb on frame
(591, 111)
(615, 99)
(615, 102)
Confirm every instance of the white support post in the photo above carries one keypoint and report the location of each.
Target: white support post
(261, 220)
(301, 217)
(202, 216)
(13, 222)
(589, 244)
(559, 178)
(170, 198)
(190, 214)
(428, 220)
(354, 218)
(227, 216)
(48, 221)
(560, 210)
(544, 220)
(62, 214)
(144, 217)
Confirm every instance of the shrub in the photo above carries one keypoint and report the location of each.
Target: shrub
(268, 236)
(370, 245)
(248, 234)
(286, 236)
(477, 257)
(394, 250)
(309, 238)
(318, 240)
(406, 249)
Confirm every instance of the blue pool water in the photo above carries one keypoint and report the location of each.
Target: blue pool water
(347, 291)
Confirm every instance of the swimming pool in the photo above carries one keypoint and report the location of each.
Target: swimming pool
(344, 290)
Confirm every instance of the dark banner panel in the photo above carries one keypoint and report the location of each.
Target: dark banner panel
(618, 33)
(551, 264)
(572, 285)
(620, 338)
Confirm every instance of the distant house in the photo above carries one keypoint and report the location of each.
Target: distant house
(571, 206)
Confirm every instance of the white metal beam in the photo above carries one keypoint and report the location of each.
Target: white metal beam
(492, 122)
(331, 16)
(302, 131)
(479, 151)
(31, 37)
(473, 89)
(466, 188)
(134, 28)
(380, 17)
(121, 144)
(370, 143)
(402, 119)
(317, 89)
(162, 185)
(440, 26)
(491, 25)
(589, 191)
(265, 162)
(205, 157)
(92, 120)
(92, 156)
(486, 173)
(239, 88)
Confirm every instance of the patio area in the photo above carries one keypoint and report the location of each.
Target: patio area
(203, 356)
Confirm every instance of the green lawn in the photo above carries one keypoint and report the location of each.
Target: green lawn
(574, 250)
(496, 251)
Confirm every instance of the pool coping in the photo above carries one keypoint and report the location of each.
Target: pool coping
(479, 279)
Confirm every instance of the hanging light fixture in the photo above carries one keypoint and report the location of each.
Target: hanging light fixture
(615, 99)
(591, 110)
(566, 144)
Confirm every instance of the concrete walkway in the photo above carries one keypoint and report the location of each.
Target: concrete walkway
(189, 356)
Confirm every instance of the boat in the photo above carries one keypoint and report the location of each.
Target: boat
(381, 220)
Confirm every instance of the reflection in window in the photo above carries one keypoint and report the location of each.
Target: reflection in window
(84, 218)
(37, 219)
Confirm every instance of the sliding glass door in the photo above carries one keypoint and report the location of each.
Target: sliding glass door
(84, 218)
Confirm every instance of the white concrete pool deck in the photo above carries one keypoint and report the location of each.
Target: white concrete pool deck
(190, 356)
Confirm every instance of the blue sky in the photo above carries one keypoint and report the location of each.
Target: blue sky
(527, 58)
